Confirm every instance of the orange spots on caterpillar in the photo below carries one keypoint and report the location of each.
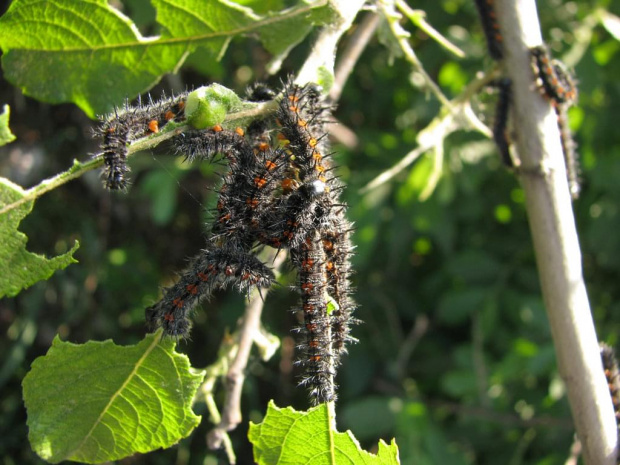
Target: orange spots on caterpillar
(154, 126)
(192, 289)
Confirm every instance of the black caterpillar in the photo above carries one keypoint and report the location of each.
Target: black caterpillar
(500, 126)
(490, 26)
(556, 84)
(126, 125)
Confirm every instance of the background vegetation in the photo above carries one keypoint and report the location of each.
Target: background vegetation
(454, 359)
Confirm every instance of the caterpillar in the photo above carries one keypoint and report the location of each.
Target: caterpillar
(318, 238)
(556, 84)
(128, 124)
(490, 26)
(501, 121)
(214, 268)
(553, 79)
(610, 367)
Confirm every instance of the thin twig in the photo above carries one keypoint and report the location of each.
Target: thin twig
(575, 452)
(417, 17)
(322, 55)
(461, 117)
(435, 174)
(248, 331)
(401, 35)
(219, 438)
(407, 347)
(394, 170)
(355, 46)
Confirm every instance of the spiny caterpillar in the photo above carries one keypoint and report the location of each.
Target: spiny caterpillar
(318, 236)
(490, 26)
(128, 124)
(610, 367)
(556, 84)
(553, 79)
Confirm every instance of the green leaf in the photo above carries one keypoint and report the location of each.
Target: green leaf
(100, 402)
(289, 436)
(6, 135)
(22, 268)
(88, 53)
(282, 31)
(262, 6)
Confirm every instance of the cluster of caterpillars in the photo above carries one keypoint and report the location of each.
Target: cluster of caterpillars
(278, 191)
(554, 82)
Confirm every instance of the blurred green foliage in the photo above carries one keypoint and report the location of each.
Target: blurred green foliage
(455, 358)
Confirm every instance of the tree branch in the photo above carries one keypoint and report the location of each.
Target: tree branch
(249, 331)
(323, 51)
(552, 224)
(355, 46)
(232, 363)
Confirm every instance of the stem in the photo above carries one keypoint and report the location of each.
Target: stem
(249, 329)
(401, 35)
(549, 209)
(351, 54)
(77, 170)
(418, 17)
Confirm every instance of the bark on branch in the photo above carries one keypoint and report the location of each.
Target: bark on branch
(543, 177)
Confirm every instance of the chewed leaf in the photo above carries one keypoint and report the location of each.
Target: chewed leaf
(22, 268)
(86, 52)
(288, 436)
(99, 402)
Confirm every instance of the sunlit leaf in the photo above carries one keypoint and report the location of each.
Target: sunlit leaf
(99, 402)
